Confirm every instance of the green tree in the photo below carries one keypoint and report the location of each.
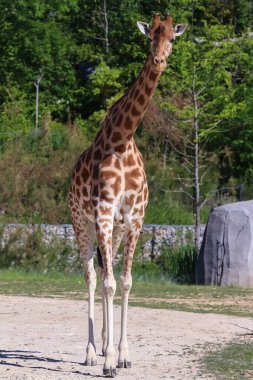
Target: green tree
(34, 38)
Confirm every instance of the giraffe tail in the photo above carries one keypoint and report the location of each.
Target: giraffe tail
(100, 260)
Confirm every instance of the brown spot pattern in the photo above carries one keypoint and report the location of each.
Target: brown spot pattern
(116, 137)
(84, 191)
(141, 99)
(130, 200)
(94, 191)
(129, 160)
(116, 187)
(108, 131)
(137, 92)
(88, 156)
(127, 107)
(128, 123)
(78, 166)
(105, 195)
(108, 174)
(107, 161)
(99, 136)
(152, 76)
(130, 182)
(105, 210)
(120, 148)
(84, 174)
(78, 181)
(95, 172)
(94, 202)
(135, 112)
(97, 155)
(119, 121)
(117, 165)
(148, 89)
(141, 80)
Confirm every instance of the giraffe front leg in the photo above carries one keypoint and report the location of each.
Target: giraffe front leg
(85, 237)
(91, 357)
(110, 363)
(132, 235)
(104, 236)
(104, 307)
(124, 357)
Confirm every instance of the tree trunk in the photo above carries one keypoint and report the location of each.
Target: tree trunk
(196, 187)
(37, 86)
(106, 28)
(165, 153)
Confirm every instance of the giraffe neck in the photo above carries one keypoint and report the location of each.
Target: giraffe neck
(125, 115)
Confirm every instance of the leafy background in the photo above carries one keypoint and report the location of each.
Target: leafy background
(84, 70)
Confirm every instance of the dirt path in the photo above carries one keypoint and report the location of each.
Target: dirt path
(44, 339)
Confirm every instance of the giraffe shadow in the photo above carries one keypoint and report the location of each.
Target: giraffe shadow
(18, 358)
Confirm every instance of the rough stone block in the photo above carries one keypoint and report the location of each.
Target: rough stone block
(226, 256)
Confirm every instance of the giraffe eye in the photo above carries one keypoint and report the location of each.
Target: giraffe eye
(172, 40)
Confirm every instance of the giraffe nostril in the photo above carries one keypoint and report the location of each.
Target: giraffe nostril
(158, 60)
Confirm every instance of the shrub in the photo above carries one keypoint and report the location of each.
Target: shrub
(31, 252)
(178, 263)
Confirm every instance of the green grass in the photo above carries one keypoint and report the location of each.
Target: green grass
(19, 282)
(199, 299)
(146, 292)
(234, 361)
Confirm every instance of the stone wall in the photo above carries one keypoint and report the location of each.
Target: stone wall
(152, 238)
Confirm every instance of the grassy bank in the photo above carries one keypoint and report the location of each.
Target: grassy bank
(232, 362)
(152, 293)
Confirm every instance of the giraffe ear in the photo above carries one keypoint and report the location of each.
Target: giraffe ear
(144, 27)
(179, 29)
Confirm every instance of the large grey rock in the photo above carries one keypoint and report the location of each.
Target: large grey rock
(226, 256)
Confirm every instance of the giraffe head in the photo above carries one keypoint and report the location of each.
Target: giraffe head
(162, 35)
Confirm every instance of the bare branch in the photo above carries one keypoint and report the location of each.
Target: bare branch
(243, 328)
(187, 169)
(178, 191)
(106, 28)
(203, 88)
(203, 203)
(99, 38)
(183, 183)
(188, 162)
(178, 151)
(214, 125)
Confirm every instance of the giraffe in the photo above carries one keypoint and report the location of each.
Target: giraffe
(108, 194)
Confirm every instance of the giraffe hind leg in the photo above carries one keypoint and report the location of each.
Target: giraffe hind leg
(132, 234)
(104, 304)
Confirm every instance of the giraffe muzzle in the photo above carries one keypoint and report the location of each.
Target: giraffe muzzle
(159, 60)
(160, 64)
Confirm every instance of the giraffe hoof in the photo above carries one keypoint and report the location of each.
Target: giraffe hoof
(109, 372)
(124, 364)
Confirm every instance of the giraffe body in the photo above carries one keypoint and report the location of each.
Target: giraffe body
(108, 195)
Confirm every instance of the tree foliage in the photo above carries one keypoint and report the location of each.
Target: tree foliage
(88, 53)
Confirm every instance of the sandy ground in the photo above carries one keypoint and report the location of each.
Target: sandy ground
(45, 339)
